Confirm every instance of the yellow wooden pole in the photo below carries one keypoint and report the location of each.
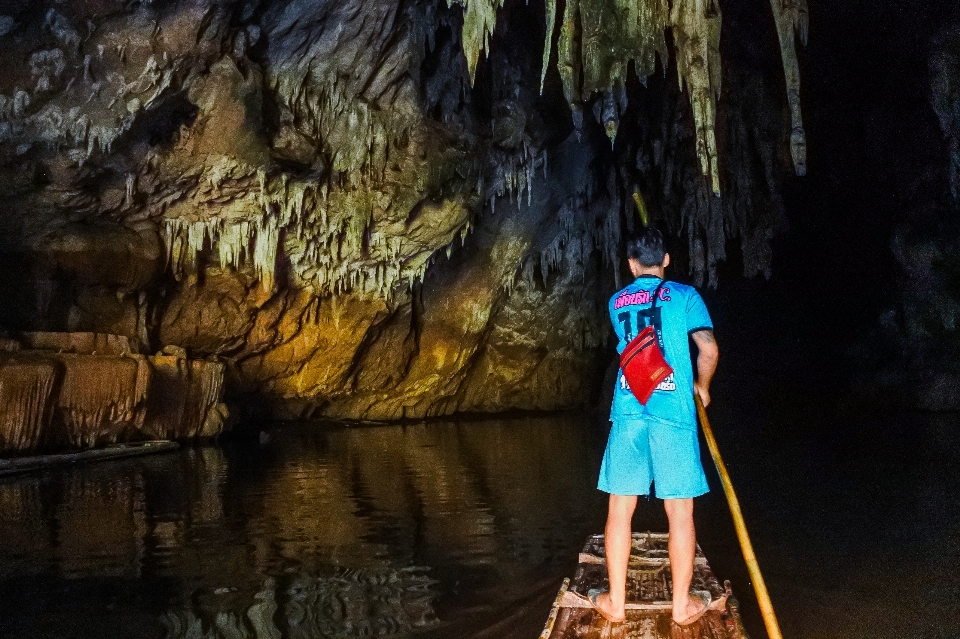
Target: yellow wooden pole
(763, 597)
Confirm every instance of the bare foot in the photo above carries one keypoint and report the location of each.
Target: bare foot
(694, 609)
(610, 611)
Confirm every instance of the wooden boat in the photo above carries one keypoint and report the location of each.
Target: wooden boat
(17, 465)
(649, 597)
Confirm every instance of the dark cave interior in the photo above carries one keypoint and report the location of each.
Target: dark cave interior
(287, 166)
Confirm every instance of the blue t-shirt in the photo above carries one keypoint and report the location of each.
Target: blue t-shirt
(679, 312)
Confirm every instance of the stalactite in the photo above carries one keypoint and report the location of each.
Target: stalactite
(548, 41)
(479, 19)
(599, 39)
(326, 235)
(568, 57)
(515, 174)
(793, 21)
(131, 187)
(265, 252)
(232, 243)
(696, 28)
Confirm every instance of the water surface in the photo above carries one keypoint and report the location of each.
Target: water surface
(466, 529)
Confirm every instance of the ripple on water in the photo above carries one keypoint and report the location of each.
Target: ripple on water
(319, 532)
(447, 529)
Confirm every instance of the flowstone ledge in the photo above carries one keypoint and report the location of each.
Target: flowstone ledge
(82, 390)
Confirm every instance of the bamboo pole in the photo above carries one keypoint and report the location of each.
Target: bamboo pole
(763, 597)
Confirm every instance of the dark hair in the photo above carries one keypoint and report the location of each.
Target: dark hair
(646, 247)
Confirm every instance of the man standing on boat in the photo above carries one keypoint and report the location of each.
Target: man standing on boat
(656, 442)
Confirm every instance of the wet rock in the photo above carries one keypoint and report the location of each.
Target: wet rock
(101, 308)
(27, 393)
(921, 323)
(102, 399)
(212, 317)
(88, 389)
(185, 396)
(81, 343)
(313, 347)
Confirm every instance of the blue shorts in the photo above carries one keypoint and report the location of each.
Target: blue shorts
(645, 450)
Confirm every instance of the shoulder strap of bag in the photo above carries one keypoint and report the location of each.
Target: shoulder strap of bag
(653, 305)
(656, 293)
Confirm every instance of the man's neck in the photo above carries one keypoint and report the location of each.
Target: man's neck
(656, 271)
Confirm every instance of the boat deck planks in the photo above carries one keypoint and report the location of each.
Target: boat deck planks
(649, 597)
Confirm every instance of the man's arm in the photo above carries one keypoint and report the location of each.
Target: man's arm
(707, 355)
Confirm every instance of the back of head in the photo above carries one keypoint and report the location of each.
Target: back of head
(646, 247)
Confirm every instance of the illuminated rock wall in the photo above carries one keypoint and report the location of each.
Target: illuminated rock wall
(331, 198)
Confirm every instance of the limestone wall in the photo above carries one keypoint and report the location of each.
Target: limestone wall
(70, 395)
(323, 196)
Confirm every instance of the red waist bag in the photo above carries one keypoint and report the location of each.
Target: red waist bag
(642, 362)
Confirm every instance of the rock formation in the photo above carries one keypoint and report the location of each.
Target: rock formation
(26, 389)
(922, 327)
(81, 390)
(352, 209)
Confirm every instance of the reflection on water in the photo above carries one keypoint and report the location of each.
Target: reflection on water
(316, 533)
(466, 530)
(348, 603)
